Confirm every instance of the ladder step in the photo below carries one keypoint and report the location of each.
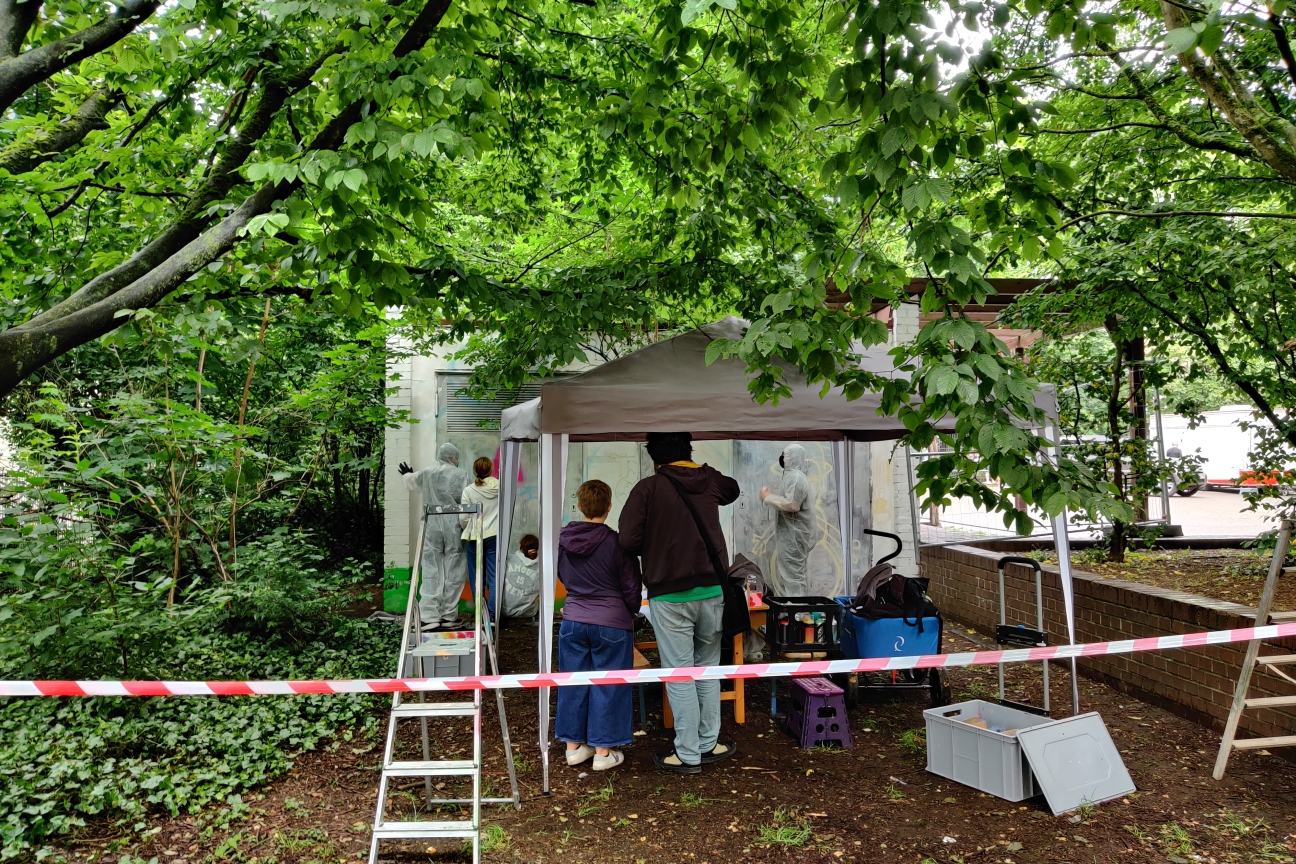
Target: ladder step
(1261, 743)
(1271, 702)
(1276, 660)
(432, 768)
(1279, 617)
(399, 830)
(433, 709)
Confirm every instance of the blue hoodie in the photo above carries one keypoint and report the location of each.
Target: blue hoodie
(602, 582)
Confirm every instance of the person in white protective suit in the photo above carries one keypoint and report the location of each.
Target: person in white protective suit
(445, 563)
(793, 524)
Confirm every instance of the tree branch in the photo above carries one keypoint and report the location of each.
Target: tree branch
(1043, 131)
(1247, 117)
(27, 153)
(1174, 214)
(1284, 45)
(19, 73)
(16, 20)
(29, 347)
(193, 218)
(1180, 130)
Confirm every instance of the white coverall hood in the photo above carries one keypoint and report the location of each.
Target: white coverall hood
(794, 458)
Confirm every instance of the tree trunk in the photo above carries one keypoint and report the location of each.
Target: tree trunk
(1119, 543)
(238, 449)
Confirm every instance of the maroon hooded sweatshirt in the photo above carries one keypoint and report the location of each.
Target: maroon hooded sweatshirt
(656, 525)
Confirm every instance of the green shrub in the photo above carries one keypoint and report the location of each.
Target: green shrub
(65, 760)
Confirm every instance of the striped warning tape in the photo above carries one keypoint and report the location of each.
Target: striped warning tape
(638, 676)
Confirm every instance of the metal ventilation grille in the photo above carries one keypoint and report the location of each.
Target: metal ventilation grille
(463, 414)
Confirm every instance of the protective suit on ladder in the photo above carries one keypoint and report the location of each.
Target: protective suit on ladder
(794, 534)
(445, 563)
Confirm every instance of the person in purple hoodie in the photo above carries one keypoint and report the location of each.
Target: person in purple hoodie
(597, 633)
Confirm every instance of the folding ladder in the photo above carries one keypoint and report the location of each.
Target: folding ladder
(1271, 663)
(411, 662)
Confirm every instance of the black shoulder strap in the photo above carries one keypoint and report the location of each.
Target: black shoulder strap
(716, 564)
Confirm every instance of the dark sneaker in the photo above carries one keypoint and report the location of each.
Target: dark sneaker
(671, 762)
(722, 751)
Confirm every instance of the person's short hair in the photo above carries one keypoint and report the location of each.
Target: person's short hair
(529, 541)
(667, 447)
(482, 469)
(594, 498)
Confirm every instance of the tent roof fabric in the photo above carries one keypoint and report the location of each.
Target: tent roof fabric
(667, 386)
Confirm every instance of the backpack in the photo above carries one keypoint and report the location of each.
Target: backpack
(743, 567)
(883, 593)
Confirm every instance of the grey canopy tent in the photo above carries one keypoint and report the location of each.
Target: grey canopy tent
(668, 387)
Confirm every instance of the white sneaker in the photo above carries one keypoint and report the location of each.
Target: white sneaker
(579, 755)
(612, 760)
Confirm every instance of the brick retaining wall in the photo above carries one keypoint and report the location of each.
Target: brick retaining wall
(1197, 683)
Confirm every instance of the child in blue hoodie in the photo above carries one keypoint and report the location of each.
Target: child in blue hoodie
(597, 633)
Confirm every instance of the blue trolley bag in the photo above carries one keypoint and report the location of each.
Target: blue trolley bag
(889, 637)
(891, 616)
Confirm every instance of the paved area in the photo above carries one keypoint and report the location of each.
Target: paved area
(1206, 514)
(1216, 514)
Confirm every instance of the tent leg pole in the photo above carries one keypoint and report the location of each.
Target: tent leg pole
(553, 454)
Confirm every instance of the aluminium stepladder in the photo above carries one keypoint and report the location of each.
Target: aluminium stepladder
(1271, 663)
(411, 661)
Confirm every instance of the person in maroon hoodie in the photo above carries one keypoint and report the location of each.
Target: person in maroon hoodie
(685, 600)
(597, 633)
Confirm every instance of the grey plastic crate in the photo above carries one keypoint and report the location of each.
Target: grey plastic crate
(448, 665)
(985, 759)
(444, 657)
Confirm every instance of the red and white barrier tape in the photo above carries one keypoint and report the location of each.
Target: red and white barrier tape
(638, 676)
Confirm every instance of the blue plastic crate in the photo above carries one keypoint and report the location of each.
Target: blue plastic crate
(887, 637)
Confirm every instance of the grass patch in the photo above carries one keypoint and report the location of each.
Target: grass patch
(895, 793)
(913, 741)
(1240, 827)
(493, 839)
(603, 794)
(788, 830)
(977, 689)
(1175, 840)
(693, 799)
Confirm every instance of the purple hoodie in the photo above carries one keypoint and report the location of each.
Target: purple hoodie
(602, 582)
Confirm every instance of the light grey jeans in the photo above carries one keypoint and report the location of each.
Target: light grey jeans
(689, 634)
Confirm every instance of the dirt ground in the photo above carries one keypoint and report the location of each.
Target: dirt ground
(1236, 575)
(772, 802)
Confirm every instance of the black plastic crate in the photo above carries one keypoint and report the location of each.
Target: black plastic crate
(802, 623)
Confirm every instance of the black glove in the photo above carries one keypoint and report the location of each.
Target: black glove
(404, 468)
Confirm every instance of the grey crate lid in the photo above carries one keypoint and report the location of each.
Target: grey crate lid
(1075, 762)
